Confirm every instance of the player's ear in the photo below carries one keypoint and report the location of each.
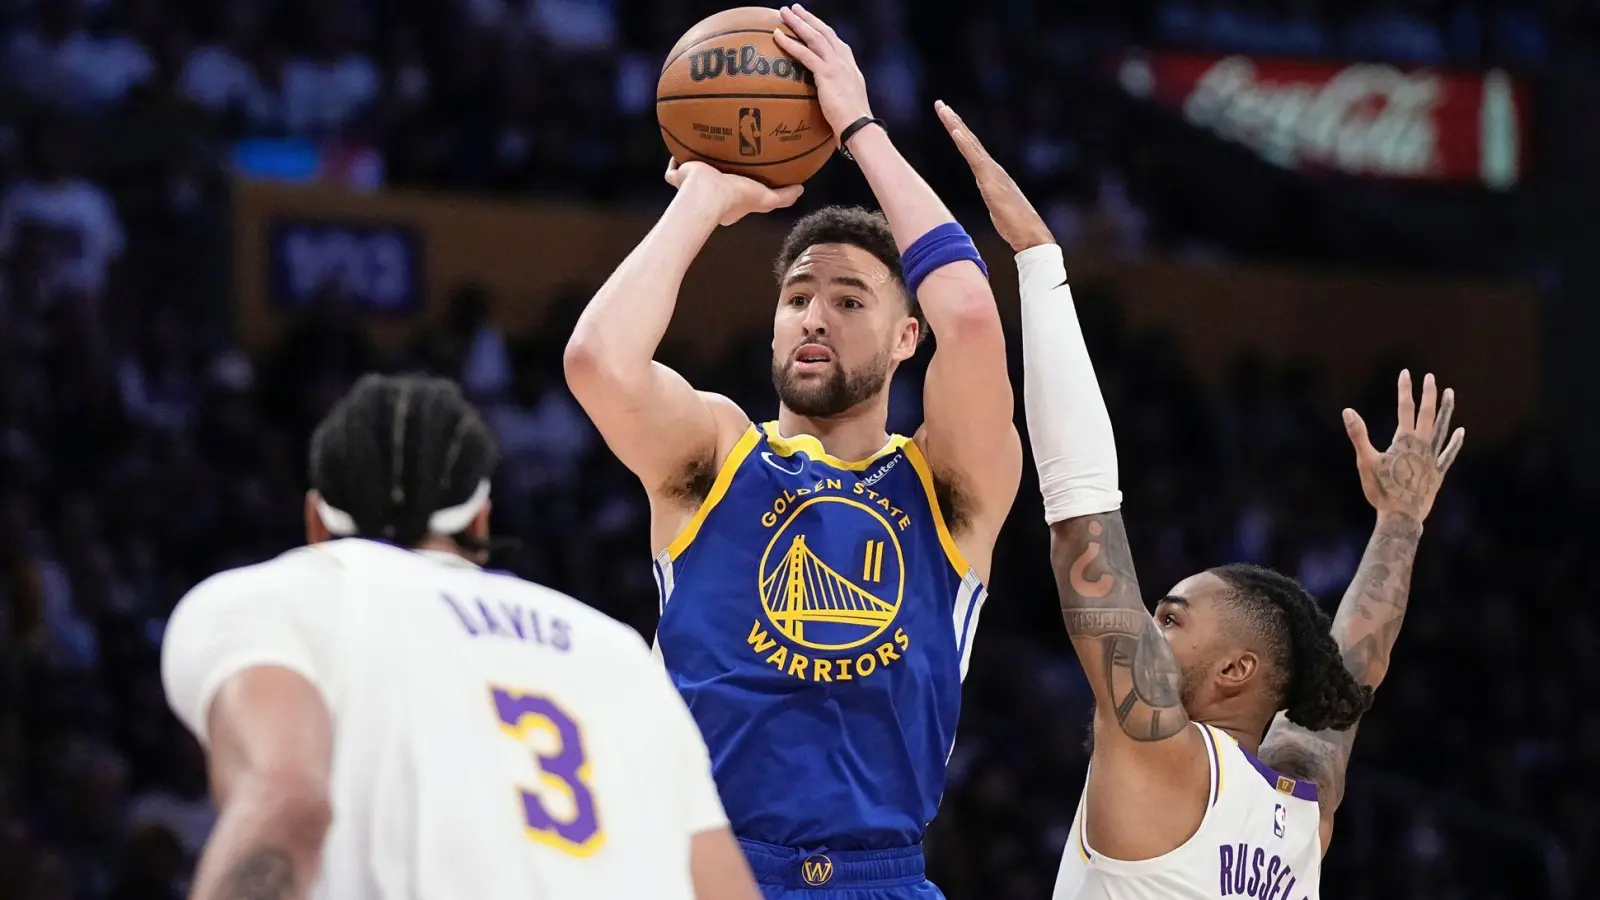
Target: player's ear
(910, 336)
(1238, 671)
(316, 532)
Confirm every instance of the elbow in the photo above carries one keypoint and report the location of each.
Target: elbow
(586, 363)
(295, 810)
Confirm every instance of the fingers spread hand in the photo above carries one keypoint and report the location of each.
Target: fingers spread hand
(1357, 430)
(1441, 427)
(1406, 407)
(1430, 405)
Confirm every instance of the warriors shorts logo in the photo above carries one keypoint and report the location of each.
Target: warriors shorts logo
(817, 870)
(837, 591)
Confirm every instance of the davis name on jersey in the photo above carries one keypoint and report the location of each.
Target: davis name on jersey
(1259, 838)
(817, 617)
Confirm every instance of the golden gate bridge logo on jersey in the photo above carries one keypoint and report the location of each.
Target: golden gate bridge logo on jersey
(833, 574)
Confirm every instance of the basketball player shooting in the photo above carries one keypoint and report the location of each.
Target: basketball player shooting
(1185, 799)
(820, 579)
(385, 720)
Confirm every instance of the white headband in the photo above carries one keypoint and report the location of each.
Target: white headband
(450, 520)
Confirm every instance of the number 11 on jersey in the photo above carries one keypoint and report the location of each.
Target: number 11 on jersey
(564, 768)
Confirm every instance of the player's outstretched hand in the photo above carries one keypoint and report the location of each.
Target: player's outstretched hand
(1405, 478)
(739, 196)
(841, 88)
(1014, 217)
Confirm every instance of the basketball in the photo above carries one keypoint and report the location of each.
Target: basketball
(728, 96)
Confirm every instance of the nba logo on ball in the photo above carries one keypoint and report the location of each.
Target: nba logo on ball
(1279, 817)
(749, 131)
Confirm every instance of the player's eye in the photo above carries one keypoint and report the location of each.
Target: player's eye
(1168, 619)
(797, 300)
(851, 303)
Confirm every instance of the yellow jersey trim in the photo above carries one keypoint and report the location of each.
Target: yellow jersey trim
(719, 489)
(925, 474)
(1217, 737)
(789, 446)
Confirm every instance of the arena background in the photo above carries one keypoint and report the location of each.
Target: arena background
(216, 213)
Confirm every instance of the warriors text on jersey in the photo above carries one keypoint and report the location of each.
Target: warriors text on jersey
(1259, 839)
(492, 738)
(817, 617)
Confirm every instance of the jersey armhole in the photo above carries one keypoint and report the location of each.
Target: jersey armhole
(1216, 781)
(719, 489)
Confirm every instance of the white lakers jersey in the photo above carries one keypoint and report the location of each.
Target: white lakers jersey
(493, 738)
(1259, 839)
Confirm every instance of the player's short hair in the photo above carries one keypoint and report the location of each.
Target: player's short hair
(1305, 669)
(397, 449)
(855, 227)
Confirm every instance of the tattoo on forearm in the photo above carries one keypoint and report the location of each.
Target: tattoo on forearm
(1135, 671)
(264, 874)
(1366, 627)
(1369, 617)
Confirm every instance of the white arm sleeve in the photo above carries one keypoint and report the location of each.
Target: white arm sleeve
(1069, 428)
(265, 615)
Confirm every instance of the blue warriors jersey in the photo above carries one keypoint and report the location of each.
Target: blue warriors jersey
(817, 618)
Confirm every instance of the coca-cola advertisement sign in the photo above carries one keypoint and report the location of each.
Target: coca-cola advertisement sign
(1369, 119)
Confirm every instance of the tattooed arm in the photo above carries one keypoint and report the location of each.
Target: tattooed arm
(1401, 484)
(1131, 669)
(271, 750)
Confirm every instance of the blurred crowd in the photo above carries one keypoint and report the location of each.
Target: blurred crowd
(141, 451)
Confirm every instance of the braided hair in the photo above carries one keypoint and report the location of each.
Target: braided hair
(1306, 670)
(397, 449)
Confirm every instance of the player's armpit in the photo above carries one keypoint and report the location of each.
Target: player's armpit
(1136, 680)
(271, 752)
(719, 868)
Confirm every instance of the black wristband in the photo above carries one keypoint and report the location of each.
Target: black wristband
(851, 130)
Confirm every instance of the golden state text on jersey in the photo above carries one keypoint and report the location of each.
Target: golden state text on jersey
(817, 617)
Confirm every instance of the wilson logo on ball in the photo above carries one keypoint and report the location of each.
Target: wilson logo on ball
(747, 60)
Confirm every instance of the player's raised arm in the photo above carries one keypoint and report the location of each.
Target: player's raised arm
(241, 677)
(968, 432)
(1134, 675)
(650, 417)
(1401, 484)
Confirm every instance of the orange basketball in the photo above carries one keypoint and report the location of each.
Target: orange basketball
(730, 97)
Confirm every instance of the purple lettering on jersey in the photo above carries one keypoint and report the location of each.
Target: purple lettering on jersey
(509, 620)
(1252, 885)
(461, 614)
(1246, 871)
(564, 766)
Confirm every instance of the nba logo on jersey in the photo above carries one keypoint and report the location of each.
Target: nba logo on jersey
(1279, 817)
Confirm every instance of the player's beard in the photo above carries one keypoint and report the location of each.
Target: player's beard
(832, 394)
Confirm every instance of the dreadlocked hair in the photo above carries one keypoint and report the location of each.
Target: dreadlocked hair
(397, 449)
(1312, 684)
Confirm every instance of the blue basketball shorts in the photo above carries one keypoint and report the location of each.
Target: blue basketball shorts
(784, 873)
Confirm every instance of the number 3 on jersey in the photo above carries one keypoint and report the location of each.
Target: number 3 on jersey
(564, 767)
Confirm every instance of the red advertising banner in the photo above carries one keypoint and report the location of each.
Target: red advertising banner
(1368, 119)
